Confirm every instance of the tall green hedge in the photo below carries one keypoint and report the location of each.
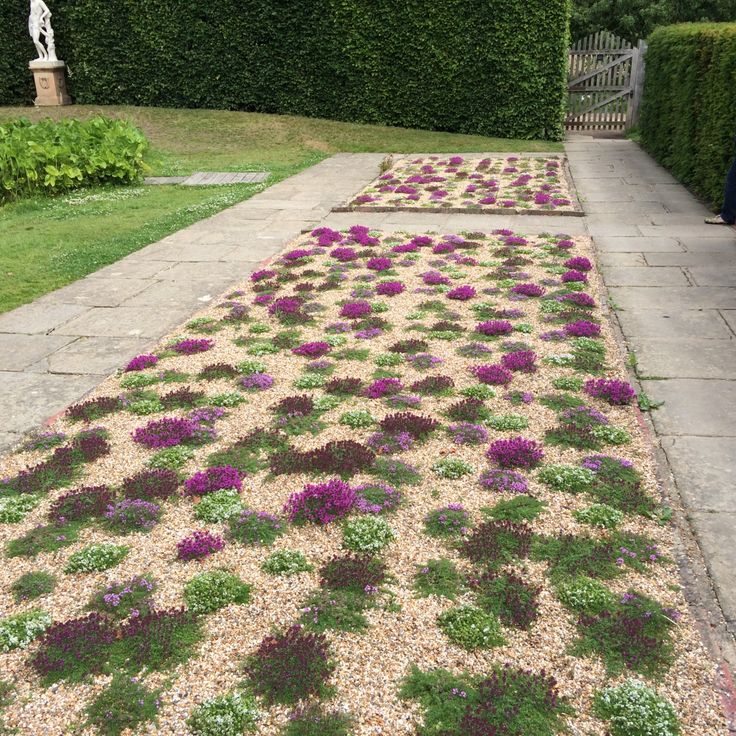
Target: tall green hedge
(459, 65)
(688, 113)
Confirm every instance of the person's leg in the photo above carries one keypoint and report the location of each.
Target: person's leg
(728, 212)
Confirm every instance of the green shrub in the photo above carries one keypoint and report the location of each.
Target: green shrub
(452, 468)
(600, 514)
(479, 391)
(518, 508)
(171, 458)
(286, 562)
(357, 419)
(14, 508)
(226, 715)
(568, 478)
(52, 157)
(366, 534)
(32, 585)
(96, 557)
(633, 709)
(471, 627)
(47, 538)
(474, 69)
(213, 590)
(507, 700)
(438, 577)
(687, 119)
(585, 595)
(313, 720)
(125, 703)
(218, 506)
(18, 631)
(507, 422)
(336, 610)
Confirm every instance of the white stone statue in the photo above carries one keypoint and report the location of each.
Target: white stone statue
(39, 24)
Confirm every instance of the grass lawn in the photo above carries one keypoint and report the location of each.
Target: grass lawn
(47, 243)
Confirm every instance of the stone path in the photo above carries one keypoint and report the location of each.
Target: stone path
(57, 348)
(672, 281)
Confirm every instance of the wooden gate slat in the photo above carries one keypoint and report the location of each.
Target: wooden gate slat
(604, 82)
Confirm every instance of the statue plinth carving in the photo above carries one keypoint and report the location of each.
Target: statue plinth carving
(48, 71)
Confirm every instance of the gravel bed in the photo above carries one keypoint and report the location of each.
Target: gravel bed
(371, 664)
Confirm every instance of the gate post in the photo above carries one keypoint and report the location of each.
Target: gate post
(637, 82)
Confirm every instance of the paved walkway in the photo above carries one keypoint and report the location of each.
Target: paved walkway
(672, 281)
(56, 349)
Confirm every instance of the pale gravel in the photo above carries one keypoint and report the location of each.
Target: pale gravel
(370, 665)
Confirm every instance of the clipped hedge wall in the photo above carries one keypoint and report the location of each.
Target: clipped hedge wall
(688, 113)
(459, 65)
(16, 50)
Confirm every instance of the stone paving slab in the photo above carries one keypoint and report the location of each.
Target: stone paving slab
(637, 276)
(18, 352)
(685, 297)
(715, 534)
(92, 355)
(673, 323)
(28, 399)
(694, 407)
(705, 468)
(685, 357)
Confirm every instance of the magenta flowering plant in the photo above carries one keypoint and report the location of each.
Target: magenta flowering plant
(379, 264)
(321, 503)
(383, 387)
(390, 288)
(503, 481)
(612, 390)
(461, 293)
(355, 310)
(582, 328)
(198, 545)
(193, 346)
(435, 278)
(390, 443)
(526, 289)
(257, 382)
(262, 275)
(133, 515)
(493, 374)
(166, 432)
(141, 362)
(494, 327)
(523, 361)
(344, 255)
(285, 305)
(572, 275)
(467, 433)
(312, 349)
(376, 498)
(213, 479)
(295, 255)
(580, 299)
(578, 263)
(517, 452)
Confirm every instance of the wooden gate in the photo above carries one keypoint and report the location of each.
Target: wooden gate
(605, 80)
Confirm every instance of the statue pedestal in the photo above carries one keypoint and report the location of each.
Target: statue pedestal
(50, 81)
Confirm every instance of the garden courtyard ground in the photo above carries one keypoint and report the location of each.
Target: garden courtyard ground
(669, 285)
